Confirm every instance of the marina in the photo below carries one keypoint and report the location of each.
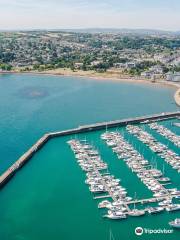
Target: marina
(166, 133)
(105, 186)
(5, 177)
(138, 206)
(148, 175)
(92, 164)
(47, 197)
(162, 150)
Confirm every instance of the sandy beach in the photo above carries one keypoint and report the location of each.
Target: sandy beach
(177, 97)
(109, 75)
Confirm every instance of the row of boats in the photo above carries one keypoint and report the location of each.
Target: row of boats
(162, 150)
(99, 182)
(104, 185)
(151, 177)
(90, 162)
(176, 140)
(168, 134)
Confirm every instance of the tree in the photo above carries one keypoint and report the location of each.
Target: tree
(6, 67)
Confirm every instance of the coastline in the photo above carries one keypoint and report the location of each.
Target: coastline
(177, 97)
(97, 76)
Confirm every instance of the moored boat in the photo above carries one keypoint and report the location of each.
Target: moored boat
(175, 223)
(136, 213)
(153, 210)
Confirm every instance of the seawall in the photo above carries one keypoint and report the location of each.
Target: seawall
(6, 176)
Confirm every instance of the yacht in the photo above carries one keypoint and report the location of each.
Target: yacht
(136, 213)
(164, 179)
(175, 223)
(116, 215)
(173, 207)
(103, 204)
(153, 210)
(97, 189)
(165, 202)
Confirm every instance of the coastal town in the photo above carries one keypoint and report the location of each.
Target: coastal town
(146, 55)
(90, 120)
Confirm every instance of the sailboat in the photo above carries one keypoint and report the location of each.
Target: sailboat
(136, 212)
(164, 179)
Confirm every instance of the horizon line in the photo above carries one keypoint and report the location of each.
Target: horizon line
(89, 28)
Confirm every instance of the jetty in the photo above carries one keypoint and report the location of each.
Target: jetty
(6, 176)
(153, 199)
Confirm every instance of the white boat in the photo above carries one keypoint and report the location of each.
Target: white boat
(175, 223)
(116, 215)
(153, 210)
(103, 204)
(117, 208)
(164, 179)
(97, 188)
(173, 207)
(128, 198)
(136, 213)
(165, 202)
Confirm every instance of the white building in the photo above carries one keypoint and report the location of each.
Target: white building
(95, 63)
(174, 77)
(148, 74)
(130, 65)
(156, 69)
(119, 65)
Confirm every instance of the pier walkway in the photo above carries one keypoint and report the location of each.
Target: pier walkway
(153, 199)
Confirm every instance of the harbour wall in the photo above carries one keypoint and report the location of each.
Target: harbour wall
(9, 173)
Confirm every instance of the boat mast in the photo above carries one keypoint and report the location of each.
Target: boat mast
(135, 199)
(111, 237)
(163, 169)
(106, 128)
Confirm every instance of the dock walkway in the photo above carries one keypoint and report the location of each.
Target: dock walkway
(153, 199)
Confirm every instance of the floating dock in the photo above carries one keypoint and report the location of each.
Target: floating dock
(153, 199)
(6, 176)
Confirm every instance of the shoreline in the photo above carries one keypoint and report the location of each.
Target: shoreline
(97, 76)
(177, 97)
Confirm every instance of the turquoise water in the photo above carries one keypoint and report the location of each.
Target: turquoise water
(48, 199)
(31, 105)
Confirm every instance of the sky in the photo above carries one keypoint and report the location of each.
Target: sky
(59, 14)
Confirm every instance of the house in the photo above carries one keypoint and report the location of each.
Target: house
(95, 63)
(78, 65)
(130, 65)
(119, 65)
(174, 77)
(148, 74)
(156, 69)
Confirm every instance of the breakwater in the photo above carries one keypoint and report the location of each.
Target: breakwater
(6, 176)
